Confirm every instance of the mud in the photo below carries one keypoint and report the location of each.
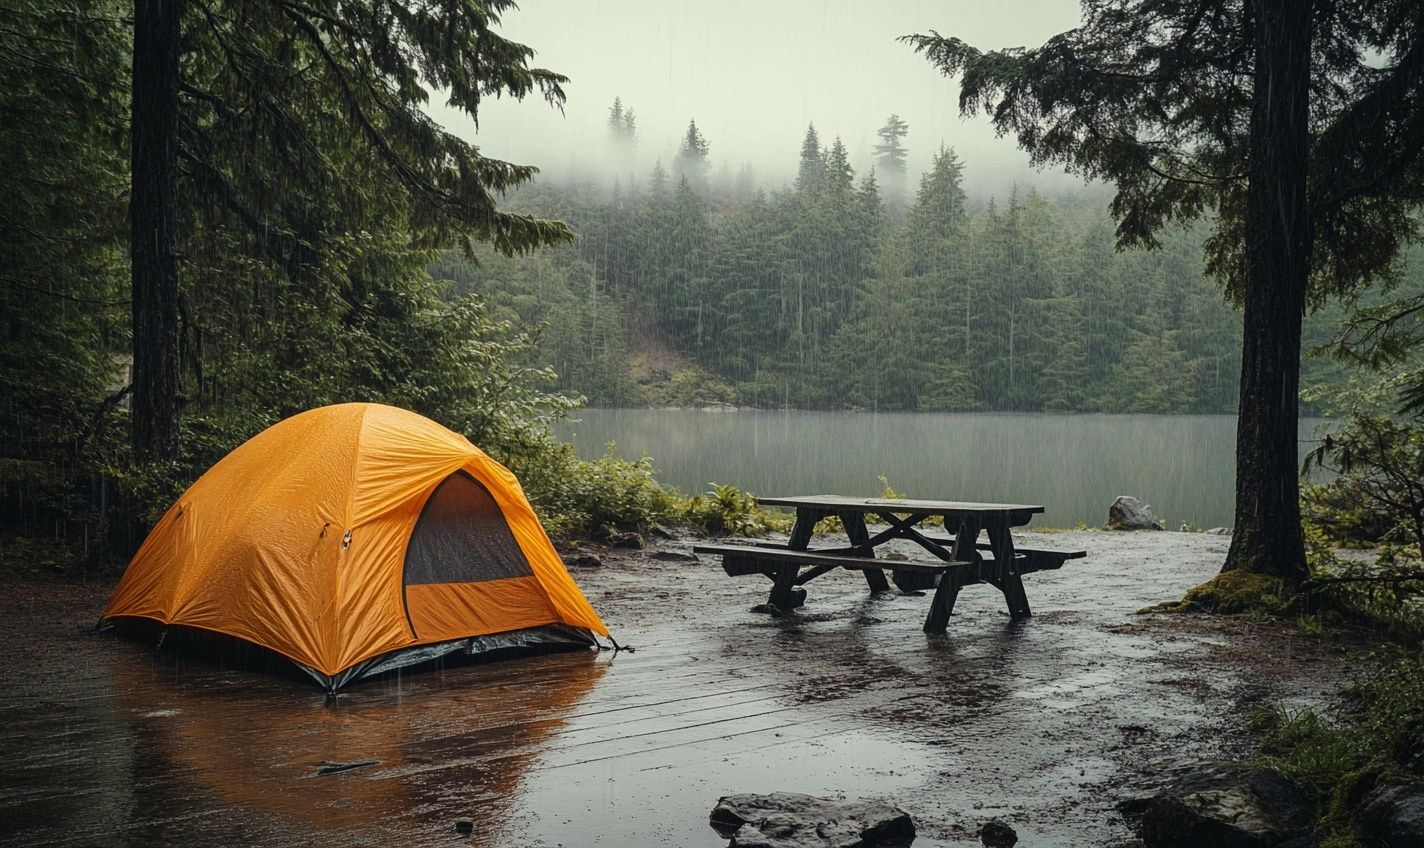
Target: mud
(1044, 723)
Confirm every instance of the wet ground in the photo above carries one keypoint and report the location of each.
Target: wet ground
(1044, 723)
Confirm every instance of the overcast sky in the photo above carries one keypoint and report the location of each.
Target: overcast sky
(754, 73)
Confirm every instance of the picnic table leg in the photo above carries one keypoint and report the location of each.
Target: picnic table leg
(855, 530)
(953, 580)
(805, 525)
(943, 604)
(1001, 542)
(784, 594)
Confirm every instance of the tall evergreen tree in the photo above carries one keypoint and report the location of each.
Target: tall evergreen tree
(622, 127)
(153, 218)
(691, 162)
(890, 157)
(326, 107)
(1273, 114)
(811, 171)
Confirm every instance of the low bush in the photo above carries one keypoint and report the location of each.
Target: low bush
(1337, 756)
(593, 497)
(725, 510)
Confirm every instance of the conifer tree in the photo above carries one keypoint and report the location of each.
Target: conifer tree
(691, 162)
(1301, 125)
(325, 106)
(811, 172)
(890, 157)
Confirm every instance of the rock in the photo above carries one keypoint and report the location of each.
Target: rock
(1129, 513)
(996, 834)
(1218, 531)
(464, 827)
(661, 532)
(625, 540)
(1225, 806)
(675, 556)
(792, 820)
(587, 561)
(1393, 816)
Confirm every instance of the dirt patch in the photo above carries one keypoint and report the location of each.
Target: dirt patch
(1043, 723)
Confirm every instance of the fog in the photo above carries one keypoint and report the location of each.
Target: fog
(754, 74)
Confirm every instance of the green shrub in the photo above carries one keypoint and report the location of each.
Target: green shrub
(725, 510)
(1337, 757)
(593, 498)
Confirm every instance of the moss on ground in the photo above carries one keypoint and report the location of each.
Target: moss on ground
(1235, 593)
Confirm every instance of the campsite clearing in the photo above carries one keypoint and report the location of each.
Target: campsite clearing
(1045, 722)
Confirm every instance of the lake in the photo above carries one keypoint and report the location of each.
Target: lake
(1183, 465)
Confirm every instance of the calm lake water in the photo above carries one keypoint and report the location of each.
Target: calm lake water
(1183, 465)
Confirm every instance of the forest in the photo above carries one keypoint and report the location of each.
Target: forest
(877, 291)
(219, 214)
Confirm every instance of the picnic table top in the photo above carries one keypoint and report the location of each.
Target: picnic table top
(853, 504)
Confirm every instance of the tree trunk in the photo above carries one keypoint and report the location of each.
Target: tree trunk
(1267, 538)
(153, 215)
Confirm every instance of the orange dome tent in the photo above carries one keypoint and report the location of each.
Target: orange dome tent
(354, 539)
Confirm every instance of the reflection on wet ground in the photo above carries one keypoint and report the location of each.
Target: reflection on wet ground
(1038, 722)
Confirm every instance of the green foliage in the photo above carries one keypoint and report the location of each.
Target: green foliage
(315, 190)
(725, 510)
(1377, 457)
(1153, 96)
(1336, 757)
(815, 297)
(689, 388)
(598, 497)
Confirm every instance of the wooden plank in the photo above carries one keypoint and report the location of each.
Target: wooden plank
(776, 557)
(837, 503)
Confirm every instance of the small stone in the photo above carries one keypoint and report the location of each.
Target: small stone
(1219, 531)
(792, 820)
(587, 561)
(464, 827)
(625, 540)
(996, 834)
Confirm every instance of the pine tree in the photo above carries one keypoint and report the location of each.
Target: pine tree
(1301, 125)
(811, 173)
(691, 162)
(622, 126)
(293, 125)
(615, 118)
(890, 158)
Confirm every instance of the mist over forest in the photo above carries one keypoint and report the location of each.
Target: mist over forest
(879, 287)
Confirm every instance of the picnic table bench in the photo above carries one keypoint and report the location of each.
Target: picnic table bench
(960, 558)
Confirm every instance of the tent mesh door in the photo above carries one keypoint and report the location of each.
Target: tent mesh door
(462, 537)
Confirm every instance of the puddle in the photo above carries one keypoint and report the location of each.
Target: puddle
(1039, 722)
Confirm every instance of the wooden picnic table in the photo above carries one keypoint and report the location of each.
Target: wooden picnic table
(960, 558)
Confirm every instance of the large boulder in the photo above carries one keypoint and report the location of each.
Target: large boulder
(1129, 513)
(792, 820)
(1224, 806)
(1393, 816)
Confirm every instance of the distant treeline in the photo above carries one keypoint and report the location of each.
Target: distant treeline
(834, 294)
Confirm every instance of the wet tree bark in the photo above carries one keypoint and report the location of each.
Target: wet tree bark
(153, 211)
(1267, 537)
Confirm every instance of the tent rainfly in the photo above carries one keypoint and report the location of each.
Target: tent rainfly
(355, 539)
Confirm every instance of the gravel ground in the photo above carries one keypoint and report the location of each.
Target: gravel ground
(1044, 723)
